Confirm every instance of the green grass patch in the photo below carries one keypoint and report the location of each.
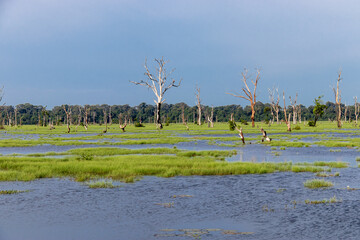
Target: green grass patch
(6, 192)
(101, 184)
(318, 183)
(324, 201)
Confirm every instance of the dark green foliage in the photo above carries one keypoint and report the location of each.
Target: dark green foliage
(311, 123)
(297, 127)
(137, 124)
(232, 125)
(318, 109)
(244, 122)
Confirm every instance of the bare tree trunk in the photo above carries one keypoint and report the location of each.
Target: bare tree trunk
(68, 115)
(158, 118)
(338, 99)
(357, 108)
(198, 104)
(294, 107)
(110, 119)
(15, 117)
(288, 122)
(94, 117)
(345, 112)
(105, 121)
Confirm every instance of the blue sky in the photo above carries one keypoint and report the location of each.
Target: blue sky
(55, 52)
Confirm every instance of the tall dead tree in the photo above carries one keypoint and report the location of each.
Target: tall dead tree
(198, 104)
(288, 122)
(110, 119)
(183, 113)
(15, 118)
(105, 120)
(357, 109)
(86, 114)
(337, 94)
(159, 84)
(79, 118)
(122, 126)
(67, 110)
(250, 96)
(275, 102)
(211, 118)
(294, 107)
(345, 112)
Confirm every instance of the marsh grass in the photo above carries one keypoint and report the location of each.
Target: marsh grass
(318, 183)
(6, 192)
(324, 174)
(102, 184)
(324, 201)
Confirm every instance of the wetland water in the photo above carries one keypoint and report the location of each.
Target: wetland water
(267, 206)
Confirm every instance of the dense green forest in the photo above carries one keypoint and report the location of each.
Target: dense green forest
(171, 113)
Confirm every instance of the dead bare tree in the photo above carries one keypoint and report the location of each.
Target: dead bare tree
(345, 112)
(294, 107)
(67, 110)
(110, 119)
(357, 109)
(198, 104)
(86, 114)
(105, 121)
(15, 118)
(183, 113)
(94, 117)
(337, 94)
(275, 102)
(241, 134)
(250, 96)
(159, 85)
(122, 126)
(79, 118)
(211, 118)
(288, 122)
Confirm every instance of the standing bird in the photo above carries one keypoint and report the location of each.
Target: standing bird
(265, 137)
(241, 134)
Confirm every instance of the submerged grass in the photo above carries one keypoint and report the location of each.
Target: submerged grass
(324, 201)
(101, 184)
(317, 183)
(6, 192)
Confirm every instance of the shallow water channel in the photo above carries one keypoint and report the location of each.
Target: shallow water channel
(267, 206)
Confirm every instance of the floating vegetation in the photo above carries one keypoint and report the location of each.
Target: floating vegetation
(317, 183)
(332, 164)
(276, 154)
(324, 201)
(166, 205)
(266, 208)
(4, 192)
(282, 148)
(324, 174)
(280, 190)
(358, 159)
(197, 233)
(336, 150)
(350, 189)
(232, 232)
(182, 196)
(101, 184)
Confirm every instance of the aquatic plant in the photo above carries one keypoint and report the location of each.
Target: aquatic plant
(324, 201)
(5, 192)
(317, 183)
(101, 184)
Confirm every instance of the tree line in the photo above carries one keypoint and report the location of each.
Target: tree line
(25, 114)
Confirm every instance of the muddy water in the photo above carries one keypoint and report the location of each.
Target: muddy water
(63, 209)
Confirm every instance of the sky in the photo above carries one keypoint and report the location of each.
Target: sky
(55, 52)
